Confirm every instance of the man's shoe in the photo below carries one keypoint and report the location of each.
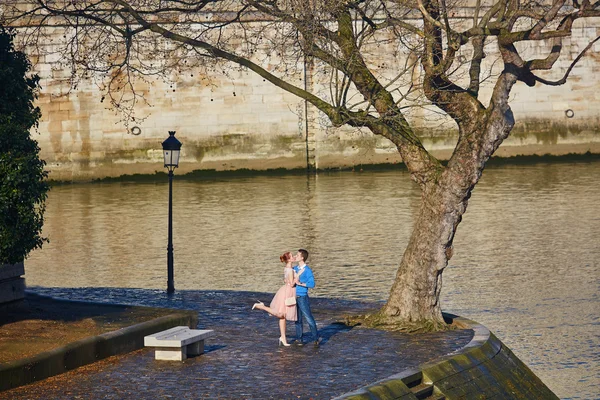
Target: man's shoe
(318, 342)
(298, 343)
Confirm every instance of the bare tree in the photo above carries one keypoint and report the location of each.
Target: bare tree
(437, 61)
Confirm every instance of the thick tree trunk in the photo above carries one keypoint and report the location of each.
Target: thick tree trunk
(414, 301)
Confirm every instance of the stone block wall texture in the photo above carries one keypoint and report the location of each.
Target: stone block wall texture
(240, 120)
(12, 284)
(489, 372)
(484, 369)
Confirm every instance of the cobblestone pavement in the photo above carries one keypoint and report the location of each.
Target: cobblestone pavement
(243, 360)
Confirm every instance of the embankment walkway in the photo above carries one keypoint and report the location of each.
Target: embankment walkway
(243, 360)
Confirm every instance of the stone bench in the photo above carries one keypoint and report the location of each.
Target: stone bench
(176, 344)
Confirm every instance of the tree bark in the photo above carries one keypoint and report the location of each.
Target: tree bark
(414, 301)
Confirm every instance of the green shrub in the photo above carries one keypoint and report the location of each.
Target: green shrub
(23, 187)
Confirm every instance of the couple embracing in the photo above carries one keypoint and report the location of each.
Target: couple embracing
(291, 301)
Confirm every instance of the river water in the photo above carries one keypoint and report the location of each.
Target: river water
(526, 263)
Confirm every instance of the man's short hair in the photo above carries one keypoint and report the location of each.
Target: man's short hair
(304, 254)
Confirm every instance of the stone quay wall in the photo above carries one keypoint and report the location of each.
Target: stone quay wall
(242, 121)
(484, 369)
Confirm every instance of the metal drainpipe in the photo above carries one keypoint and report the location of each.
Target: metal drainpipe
(311, 165)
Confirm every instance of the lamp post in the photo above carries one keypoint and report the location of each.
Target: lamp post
(171, 147)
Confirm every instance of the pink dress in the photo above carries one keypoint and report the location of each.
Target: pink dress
(287, 290)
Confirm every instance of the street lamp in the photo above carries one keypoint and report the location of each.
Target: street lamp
(171, 147)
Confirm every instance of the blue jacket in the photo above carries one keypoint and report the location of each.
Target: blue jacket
(307, 278)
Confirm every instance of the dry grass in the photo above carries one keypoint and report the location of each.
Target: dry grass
(38, 324)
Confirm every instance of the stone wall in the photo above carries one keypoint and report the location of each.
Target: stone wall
(484, 369)
(242, 121)
(12, 284)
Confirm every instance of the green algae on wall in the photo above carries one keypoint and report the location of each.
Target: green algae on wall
(489, 372)
(550, 132)
(484, 369)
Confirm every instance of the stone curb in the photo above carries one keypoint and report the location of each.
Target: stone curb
(484, 368)
(88, 350)
(394, 386)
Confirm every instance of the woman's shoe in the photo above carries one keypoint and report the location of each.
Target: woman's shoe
(283, 343)
(257, 304)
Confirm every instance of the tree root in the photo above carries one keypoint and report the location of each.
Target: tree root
(386, 323)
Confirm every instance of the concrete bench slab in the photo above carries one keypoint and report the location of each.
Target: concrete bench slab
(176, 344)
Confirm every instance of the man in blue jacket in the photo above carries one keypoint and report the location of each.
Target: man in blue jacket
(304, 281)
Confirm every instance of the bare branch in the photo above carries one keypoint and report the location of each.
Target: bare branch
(548, 62)
(476, 13)
(428, 16)
(269, 37)
(549, 16)
(575, 61)
(364, 16)
(475, 69)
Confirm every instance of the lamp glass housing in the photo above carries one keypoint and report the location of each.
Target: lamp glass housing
(171, 150)
(171, 158)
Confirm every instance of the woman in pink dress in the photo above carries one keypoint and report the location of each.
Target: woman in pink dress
(283, 305)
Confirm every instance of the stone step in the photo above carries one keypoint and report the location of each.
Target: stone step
(436, 397)
(413, 379)
(422, 391)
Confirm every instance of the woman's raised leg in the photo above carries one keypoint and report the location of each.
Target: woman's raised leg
(261, 306)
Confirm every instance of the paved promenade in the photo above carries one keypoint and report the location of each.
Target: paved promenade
(243, 360)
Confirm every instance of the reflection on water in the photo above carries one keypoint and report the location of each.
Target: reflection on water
(526, 258)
